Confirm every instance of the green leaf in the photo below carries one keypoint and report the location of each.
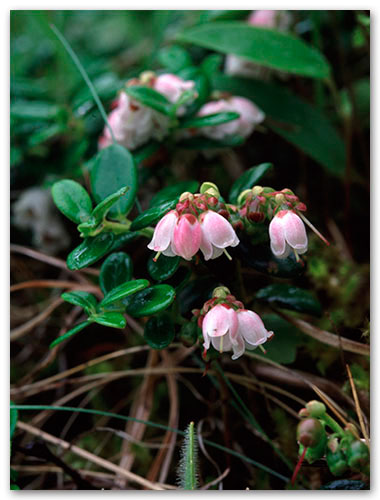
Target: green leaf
(46, 133)
(101, 210)
(168, 193)
(150, 98)
(72, 200)
(174, 58)
(248, 180)
(150, 301)
(116, 270)
(209, 120)
(90, 250)
(290, 297)
(282, 348)
(152, 215)
(211, 64)
(36, 111)
(163, 268)
(122, 291)
(110, 318)
(114, 169)
(82, 299)
(263, 46)
(345, 484)
(70, 333)
(223, 15)
(159, 331)
(202, 87)
(13, 420)
(261, 258)
(203, 143)
(293, 119)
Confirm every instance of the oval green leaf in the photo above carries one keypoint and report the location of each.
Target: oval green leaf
(266, 47)
(209, 120)
(174, 58)
(248, 180)
(70, 333)
(159, 331)
(72, 200)
(101, 210)
(110, 318)
(123, 291)
(152, 215)
(290, 297)
(81, 299)
(150, 98)
(90, 250)
(163, 268)
(150, 301)
(116, 270)
(113, 169)
(170, 193)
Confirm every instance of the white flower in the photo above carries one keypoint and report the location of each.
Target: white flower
(287, 232)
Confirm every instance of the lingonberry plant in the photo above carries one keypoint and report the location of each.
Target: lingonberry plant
(181, 248)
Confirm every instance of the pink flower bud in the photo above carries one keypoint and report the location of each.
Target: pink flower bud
(187, 236)
(287, 232)
(172, 87)
(250, 115)
(163, 235)
(217, 234)
(277, 19)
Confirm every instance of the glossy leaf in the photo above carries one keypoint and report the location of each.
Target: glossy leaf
(152, 215)
(110, 318)
(150, 301)
(266, 47)
(282, 348)
(150, 98)
(82, 299)
(169, 193)
(290, 297)
(195, 293)
(163, 268)
(293, 119)
(123, 290)
(209, 120)
(248, 180)
(260, 258)
(159, 331)
(174, 58)
(101, 210)
(70, 333)
(72, 200)
(114, 169)
(211, 64)
(116, 270)
(90, 250)
(13, 420)
(204, 143)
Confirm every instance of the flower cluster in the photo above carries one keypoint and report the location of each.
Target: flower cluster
(275, 19)
(228, 326)
(134, 124)
(250, 116)
(287, 231)
(199, 222)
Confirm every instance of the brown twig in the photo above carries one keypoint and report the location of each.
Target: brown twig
(101, 462)
(357, 404)
(54, 284)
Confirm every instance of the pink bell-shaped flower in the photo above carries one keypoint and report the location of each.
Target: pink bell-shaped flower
(187, 236)
(252, 329)
(172, 87)
(217, 234)
(163, 235)
(287, 232)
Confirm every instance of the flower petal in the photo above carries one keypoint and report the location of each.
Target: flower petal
(277, 236)
(251, 327)
(187, 236)
(295, 232)
(219, 231)
(163, 232)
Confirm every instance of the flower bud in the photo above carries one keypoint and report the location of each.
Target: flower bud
(257, 190)
(280, 198)
(303, 413)
(210, 188)
(243, 195)
(186, 196)
(335, 458)
(316, 409)
(309, 432)
(221, 292)
(357, 455)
